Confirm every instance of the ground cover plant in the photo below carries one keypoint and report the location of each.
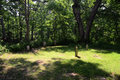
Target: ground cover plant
(60, 63)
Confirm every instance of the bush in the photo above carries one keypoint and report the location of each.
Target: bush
(3, 49)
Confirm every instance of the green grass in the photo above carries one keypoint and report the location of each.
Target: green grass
(60, 63)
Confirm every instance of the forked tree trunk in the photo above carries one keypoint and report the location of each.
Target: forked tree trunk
(76, 9)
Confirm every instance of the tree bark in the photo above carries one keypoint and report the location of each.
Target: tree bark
(20, 27)
(3, 29)
(76, 9)
(91, 18)
(27, 20)
(32, 32)
(20, 24)
(48, 32)
(42, 36)
(16, 23)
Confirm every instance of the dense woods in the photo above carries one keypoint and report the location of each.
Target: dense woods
(32, 22)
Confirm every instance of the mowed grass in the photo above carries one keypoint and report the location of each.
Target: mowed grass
(60, 63)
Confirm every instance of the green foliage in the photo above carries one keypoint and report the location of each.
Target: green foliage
(54, 20)
(17, 47)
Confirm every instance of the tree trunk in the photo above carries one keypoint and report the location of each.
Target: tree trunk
(96, 36)
(42, 35)
(20, 22)
(16, 24)
(48, 32)
(3, 29)
(20, 27)
(27, 21)
(91, 18)
(32, 32)
(76, 10)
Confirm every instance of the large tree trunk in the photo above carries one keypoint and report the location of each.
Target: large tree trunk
(76, 10)
(3, 29)
(91, 18)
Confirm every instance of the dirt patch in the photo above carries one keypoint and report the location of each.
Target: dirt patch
(75, 75)
(100, 78)
(96, 56)
(40, 62)
(70, 74)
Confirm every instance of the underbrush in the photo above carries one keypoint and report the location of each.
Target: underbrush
(105, 46)
(16, 47)
(21, 46)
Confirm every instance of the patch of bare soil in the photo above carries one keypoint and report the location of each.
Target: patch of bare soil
(96, 56)
(100, 78)
(73, 75)
(40, 62)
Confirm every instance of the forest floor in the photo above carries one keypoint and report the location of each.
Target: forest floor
(60, 63)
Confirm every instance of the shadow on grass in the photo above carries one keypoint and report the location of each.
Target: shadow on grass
(20, 71)
(60, 69)
(34, 51)
(73, 70)
(63, 49)
(105, 48)
(101, 48)
(106, 51)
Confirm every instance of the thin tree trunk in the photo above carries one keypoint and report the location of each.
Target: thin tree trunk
(116, 28)
(32, 32)
(27, 21)
(16, 24)
(42, 36)
(20, 22)
(48, 32)
(20, 27)
(96, 36)
(32, 28)
(3, 29)
(28, 24)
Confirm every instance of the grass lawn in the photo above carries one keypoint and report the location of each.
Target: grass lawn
(60, 63)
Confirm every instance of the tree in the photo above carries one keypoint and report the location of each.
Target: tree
(3, 29)
(27, 20)
(2, 22)
(85, 35)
